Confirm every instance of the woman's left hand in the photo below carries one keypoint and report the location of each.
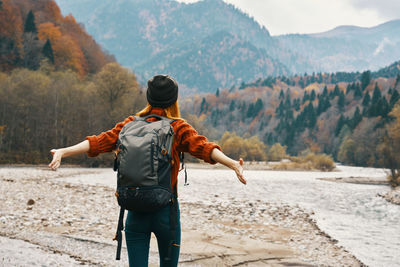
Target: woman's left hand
(238, 168)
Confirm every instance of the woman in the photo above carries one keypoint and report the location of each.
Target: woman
(162, 95)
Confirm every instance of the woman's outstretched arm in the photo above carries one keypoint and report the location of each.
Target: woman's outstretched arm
(58, 154)
(237, 166)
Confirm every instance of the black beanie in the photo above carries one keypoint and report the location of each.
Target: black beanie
(162, 91)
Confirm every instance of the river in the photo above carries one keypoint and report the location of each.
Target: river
(362, 222)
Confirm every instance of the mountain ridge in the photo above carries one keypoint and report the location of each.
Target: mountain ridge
(348, 29)
(139, 31)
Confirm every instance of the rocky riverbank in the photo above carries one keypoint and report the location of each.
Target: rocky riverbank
(393, 196)
(56, 222)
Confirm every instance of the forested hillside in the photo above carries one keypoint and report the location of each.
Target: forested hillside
(34, 30)
(220, 60)
(56, 83)
(205, 45)
(341, 114)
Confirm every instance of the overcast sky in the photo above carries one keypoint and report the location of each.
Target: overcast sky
(312, 16)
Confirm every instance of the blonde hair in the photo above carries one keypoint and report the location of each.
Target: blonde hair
(171, 112)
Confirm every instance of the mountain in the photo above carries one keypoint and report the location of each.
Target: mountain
(221, 60)
(152, 36)
(347, 48)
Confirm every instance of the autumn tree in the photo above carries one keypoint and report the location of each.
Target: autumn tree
(277, 152)
(11, 31)
(118, 92)
(251, 149)
(232, 145)
(346, 152)
(390, 148)
(367, 138)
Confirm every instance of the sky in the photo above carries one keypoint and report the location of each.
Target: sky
(313, 16)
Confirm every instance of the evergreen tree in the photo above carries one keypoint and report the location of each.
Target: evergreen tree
(296, 104)
(30, 25)
(215, 117)
(349, 88)
(376, 95)
(269, 139)
(320, 106)
(305, 97)
(281, 95)
(250, 111)
(288, 92)
(394, 98)
(357, 118)
(301, 82)
(366, 99)
(397, 80)
(288, 104)
(357, 92)
(203, 105)
(312, 96)
(312, 79)
(48, 51)
(280, 109)
(232, 105)
(341, 101)
(289, 115)
(325, 91)
(340, 124)
(336, 91)
(258, 106)
(311, 116)
(383, 107)
(320, 79)
(365, 79)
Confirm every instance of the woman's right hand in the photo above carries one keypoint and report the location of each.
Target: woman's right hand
(57, 156)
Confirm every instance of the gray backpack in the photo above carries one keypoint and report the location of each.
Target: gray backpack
(144, 162)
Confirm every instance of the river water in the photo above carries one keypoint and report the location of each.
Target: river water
(362, 222)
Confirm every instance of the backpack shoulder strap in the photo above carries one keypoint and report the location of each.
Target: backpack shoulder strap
(118, 235)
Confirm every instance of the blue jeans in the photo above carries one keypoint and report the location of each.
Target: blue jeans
(138, 229)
